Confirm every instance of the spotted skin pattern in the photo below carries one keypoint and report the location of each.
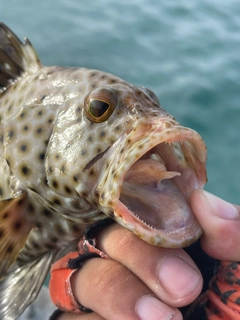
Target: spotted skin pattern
(68, 138)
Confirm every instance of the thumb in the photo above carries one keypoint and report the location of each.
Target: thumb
(220, 221)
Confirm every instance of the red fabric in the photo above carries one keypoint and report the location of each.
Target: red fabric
(60, 284)
(224, 293)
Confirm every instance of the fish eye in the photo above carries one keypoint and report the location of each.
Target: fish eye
(100, 104)
(98, 108)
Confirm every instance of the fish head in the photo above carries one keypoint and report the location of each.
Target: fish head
(131, 160)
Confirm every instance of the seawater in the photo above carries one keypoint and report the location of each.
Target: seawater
(187, 52)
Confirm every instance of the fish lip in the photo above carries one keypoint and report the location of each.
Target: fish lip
(121, 162)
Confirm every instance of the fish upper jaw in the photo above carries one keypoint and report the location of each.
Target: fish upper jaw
(148, 177)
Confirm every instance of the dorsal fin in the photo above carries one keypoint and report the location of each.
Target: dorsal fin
(15, 57)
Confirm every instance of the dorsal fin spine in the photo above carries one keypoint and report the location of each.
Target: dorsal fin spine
(16, 57)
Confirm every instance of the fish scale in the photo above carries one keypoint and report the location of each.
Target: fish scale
(75, 146)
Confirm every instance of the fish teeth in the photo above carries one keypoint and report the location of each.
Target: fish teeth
(157, 157)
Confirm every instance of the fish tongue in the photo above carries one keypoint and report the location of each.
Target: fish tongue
(147, 172)
(149, 194)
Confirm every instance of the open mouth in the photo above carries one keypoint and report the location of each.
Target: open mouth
(153, 196)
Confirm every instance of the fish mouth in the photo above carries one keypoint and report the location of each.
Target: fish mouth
(150, 182)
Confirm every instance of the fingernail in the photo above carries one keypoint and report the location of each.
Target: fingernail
(177, 276)
(221, 208)
(150, 308)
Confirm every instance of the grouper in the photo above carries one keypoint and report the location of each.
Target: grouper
(77, 146)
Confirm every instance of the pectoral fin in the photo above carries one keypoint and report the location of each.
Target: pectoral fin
(14, 230)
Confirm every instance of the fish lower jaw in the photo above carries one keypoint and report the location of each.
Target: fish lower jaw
(179, 238)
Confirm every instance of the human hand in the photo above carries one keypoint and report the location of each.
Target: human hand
(131, 285)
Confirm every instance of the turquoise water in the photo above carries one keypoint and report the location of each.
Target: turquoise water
(188, 52)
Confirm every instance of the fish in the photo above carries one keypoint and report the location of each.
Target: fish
(78, 146)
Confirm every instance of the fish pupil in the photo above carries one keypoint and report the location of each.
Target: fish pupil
(97, 108)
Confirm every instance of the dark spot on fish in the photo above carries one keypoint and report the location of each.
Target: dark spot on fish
(76, 177)
(1, 232)
(128, 141)
(31, 208)
(59, 230)
(17, 225)
(117, 128)
(46, 142)
(41, 156)
(55, 184)
(20, 202)
(140, 146)
(23, 147)
(25, 128)
(78, 109)
(54, 239)
(22, 115)
(102, 134)
(50, 246)
(83, 152)
(90, 138)
(93, 74)
(25, 170)
(122, 150)
(67, 189)
(10, 134)
(47, 213)
(75, 228)
(57, 156)
(103, 196)
(99, 150)
(10, 248)
(39, 131)
(103, 77)
(38, 225)
(1, 191)
(96, 193)
(93, 85)
(75, 204)
(57, 201)
(84, 194)
(112, 80)
(63, 169)
(6, 215)
(91, 172)
(50, 120)
(35, 245)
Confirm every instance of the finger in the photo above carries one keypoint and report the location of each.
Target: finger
(87, 316)
(114, 292)
(220, 221)
(169, 273)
